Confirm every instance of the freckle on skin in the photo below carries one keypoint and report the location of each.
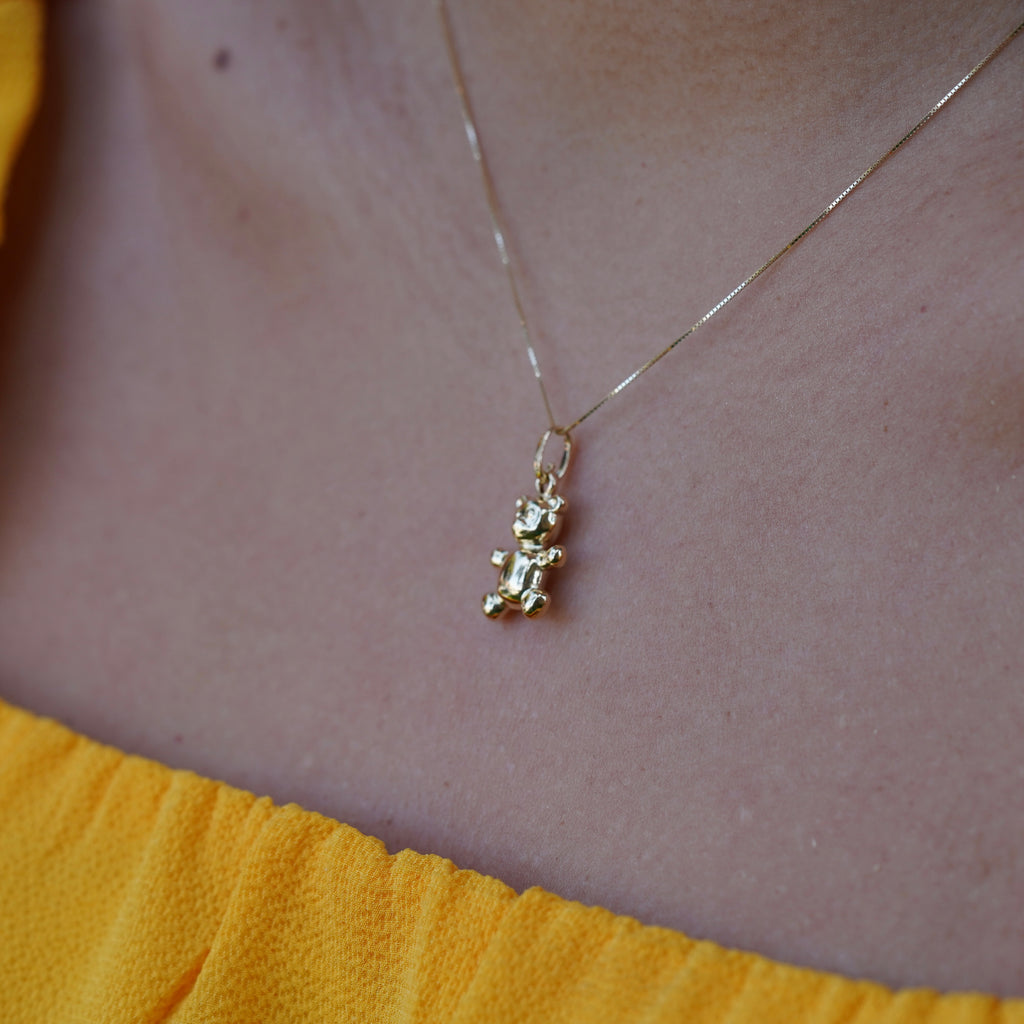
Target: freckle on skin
(222, 59)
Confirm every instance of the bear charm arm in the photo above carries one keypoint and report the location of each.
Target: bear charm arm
(554, 556)
(536, 524)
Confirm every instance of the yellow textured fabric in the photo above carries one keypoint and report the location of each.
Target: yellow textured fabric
(20, 36)
(131, 892)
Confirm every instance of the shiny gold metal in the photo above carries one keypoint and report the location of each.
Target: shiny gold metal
(497, 222)
(542, 469)
(537, 520)
(536, 525)
(789, 246)
(500, 234)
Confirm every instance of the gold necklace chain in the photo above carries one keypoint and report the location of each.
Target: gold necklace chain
(538, 519)
(500, 233)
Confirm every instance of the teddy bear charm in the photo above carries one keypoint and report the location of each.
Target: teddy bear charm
(537, 522)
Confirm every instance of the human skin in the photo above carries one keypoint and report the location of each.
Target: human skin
(267, 413)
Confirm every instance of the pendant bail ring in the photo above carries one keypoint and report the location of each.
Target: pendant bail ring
(544, 470)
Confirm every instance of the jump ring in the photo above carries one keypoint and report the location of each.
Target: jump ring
(539, 467)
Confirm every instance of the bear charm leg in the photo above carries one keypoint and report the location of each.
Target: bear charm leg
(494, 606)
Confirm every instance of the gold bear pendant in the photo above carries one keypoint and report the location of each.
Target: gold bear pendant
(536, 524)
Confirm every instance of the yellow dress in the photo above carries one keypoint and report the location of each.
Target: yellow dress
(133, 893)
(130, 892)
(20, 41)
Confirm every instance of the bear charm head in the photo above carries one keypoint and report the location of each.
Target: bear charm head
(537, 519)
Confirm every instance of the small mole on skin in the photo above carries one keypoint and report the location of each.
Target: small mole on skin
(924, 309)
(178, 738)
(222, 59)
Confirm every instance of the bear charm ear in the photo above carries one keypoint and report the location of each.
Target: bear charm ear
(521, 501)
